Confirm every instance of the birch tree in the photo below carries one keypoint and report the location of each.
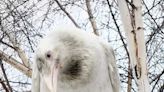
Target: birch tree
(24, 22)
(133, 27)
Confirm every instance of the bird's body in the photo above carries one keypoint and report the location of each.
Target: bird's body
(87, 63)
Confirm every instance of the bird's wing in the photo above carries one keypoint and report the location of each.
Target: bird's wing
(112, 67)
(35, 78)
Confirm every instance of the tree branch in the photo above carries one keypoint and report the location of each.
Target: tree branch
(5, 76)
(4, 85)
(91, 17)
(68, 15)
(157, 77)
(20, 52)
(13, 62)
(158, 29)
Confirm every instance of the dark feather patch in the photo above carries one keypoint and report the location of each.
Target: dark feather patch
(73, 69)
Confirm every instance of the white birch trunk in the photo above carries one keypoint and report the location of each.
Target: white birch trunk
(133, 27)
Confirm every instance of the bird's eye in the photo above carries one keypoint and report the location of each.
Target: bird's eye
(48, 55)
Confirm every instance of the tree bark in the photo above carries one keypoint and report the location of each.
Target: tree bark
(133, 27)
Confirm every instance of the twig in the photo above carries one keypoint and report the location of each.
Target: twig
(157, 77)
(68, 15)
(158, 29)
(5, 76)
(4, 85)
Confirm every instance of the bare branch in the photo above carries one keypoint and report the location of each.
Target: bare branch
(13, 62)
(157, 77)
(68, 15)
(5, 76)
(23, 56)
(4, 85)
(158, 29)
(91, 17)
(20, 52)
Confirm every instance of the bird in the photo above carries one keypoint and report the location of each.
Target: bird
(73, 60)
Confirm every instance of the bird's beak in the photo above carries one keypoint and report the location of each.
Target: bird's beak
(55, 76)
(51, 79)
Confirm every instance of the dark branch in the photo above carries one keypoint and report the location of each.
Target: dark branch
(4, 85)
(5, 76)
(68, 15)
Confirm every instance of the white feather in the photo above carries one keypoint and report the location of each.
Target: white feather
(103, 76)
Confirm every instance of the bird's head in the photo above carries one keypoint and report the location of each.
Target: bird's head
(64, 57)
